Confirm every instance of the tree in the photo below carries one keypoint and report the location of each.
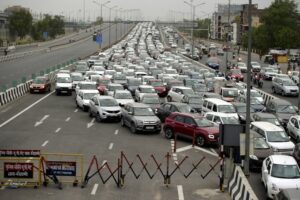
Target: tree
(98, 21)
(280, 27)
(202, 24)
(20, 22)
(56, 27)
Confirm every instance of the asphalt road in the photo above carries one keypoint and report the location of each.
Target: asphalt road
(66, 130)
(16, 69)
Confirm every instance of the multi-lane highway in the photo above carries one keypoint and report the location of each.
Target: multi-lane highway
(54, 124)
(16, 69)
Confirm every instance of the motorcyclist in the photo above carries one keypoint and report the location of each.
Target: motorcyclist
(233, 55)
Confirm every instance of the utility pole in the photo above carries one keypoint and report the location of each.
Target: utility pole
(227, 35)
(247, 140)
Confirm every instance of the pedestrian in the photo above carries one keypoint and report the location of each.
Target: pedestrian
(5, 51)
(239, 50)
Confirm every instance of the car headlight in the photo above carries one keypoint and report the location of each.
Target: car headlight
(275, 149)
(210, 136)
(31, 86)
(139, 123)
(274, 187)
(253, 157)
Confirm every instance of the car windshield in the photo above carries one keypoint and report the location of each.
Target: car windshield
(288, 83)
(104, 81)
(230, 93)
(271, 120)
(194, 100)
(188, 91)
(226, 108)
(64, 80)
(277, 136)
(108, 102)
(171, 71)
(151, 101)
(81, 68)
(255, 101)
(123, 96)
(209, 75)
(286, 109)
(147, 90)
(110, 72)
(87, 86)
(199, 88)
(135, 82)
(254, 94)
(229, 120)
(260, 143)
(120, 77)
(203, 122)
(157, 83)
(115, 87)
(77, 78)
(129, 73)
(143, 112)
(210, 84)
(184, 108)
(285, 171)
(39, 80)
(242, 109)
(88, 95)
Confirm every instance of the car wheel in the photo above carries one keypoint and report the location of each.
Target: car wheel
(57, 92)
(98, 117)
(282, 93)
(77, 104)
(90, 113)
(169, 133)
(169, 99)
(85, 108)
(122, 122)
(200, 141)
(133, 128)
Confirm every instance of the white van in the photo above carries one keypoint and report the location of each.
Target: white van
(275, 136)
(63, 84)
(218, 105)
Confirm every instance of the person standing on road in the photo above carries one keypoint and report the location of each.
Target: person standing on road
(5, 51)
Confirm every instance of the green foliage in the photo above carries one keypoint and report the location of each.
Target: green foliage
(280, 27)
(20, 22)
(98, 21)
(202, 24)
(53, 25)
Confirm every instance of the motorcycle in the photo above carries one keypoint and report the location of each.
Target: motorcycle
(260, 83)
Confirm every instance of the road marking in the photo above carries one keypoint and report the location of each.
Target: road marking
(90, 124)
(76, 110)
(111, 146)
(184, 148)
(180, 192)
(94, 190)
(68, 119)
(103, 163)
(213, 150)
(45, 143)
(116, 132)
(41, 121)
(206, 151)
(5, 110)
(57, 130)
(24, 110)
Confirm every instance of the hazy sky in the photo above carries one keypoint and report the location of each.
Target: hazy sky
(150, 9)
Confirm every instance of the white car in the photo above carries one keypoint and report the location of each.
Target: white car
(83, 98)
(112, 87)
(123, 97)
(142, 90)
(85, 85)
(293, 127)
(76, 78)
(279, 172)
(255, 66)
(221, 118)
(253, 93)
(242, 66)
(177, 93)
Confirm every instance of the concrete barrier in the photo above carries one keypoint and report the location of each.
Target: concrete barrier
(239, 187)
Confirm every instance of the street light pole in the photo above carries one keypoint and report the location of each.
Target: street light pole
(247, 140)
(227, 36)
(109, 30)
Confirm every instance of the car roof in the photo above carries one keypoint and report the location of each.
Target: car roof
(280, 101)
(265, 115)
(218, 101)
(122, 91)
(220, 114)
(138, 105)
(176, 103)
(238, 104)
(193, 115)
(283, 159)
(146, 86)
(104, 97)
(89, 91)
(267, 125)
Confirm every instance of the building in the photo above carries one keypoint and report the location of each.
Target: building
(4, 32)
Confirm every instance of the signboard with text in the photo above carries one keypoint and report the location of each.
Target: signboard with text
(18, 170)
(61, 168)
(19, 153)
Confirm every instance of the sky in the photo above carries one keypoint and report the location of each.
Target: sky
(149, 9)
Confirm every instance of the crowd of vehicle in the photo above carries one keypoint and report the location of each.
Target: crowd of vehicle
(148, 89)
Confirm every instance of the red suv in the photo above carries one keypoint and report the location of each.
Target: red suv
(186, 124)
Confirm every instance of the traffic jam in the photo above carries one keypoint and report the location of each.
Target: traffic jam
(149, 87)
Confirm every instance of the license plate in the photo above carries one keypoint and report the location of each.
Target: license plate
(149, 127)
(36, 90)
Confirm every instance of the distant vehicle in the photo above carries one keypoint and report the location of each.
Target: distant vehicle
(123, 97)
(284, 87)
(63, 84)
(167, 108)
(83, 98)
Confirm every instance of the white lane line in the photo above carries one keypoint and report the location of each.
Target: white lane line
(184, 148)
(103, 162)
(206, 151)
(24, 110)
(57, 130)
(180, 192)
(111, 146)
(213, 150)
(116, 132)
(45, 143)
(68, 119)
(76, 110)
(94, 190)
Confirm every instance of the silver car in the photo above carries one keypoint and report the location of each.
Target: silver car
(140, 117)
(284, 86)
(293, 127)
(104, 108)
